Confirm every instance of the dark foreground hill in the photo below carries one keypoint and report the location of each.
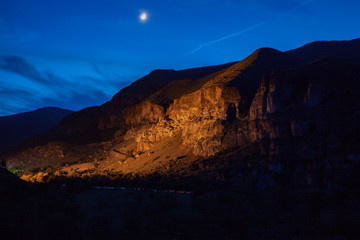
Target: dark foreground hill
(16, 129)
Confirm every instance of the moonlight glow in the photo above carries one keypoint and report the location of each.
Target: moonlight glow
(143, 16)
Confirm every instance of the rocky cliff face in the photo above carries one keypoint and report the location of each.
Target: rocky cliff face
(304, 116)
(308, 120)
(203, 118)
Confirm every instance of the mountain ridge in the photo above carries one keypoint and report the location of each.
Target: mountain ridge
(271, 99)
(17, 128)
(320, 49)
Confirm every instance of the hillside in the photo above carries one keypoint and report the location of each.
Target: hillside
(287, 111)
(15, 129)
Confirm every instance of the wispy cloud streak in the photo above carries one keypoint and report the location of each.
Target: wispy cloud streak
(225, 37)
(23, 68)
(73, 85)
(301, 4)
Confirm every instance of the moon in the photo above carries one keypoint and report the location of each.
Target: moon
(143, 16)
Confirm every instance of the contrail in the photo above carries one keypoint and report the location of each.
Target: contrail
(302, 4)
(225, 37)
(305, 2)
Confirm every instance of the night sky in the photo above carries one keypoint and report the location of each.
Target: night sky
(78, 53)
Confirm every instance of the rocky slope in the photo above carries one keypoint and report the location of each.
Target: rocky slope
(302, 112)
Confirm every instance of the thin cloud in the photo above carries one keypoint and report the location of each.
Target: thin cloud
(23, 68)
(225, 37)
(111, 78)
(34, 88)
(301, 4)
(14, 100)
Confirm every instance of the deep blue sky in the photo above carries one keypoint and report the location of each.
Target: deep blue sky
(78, 53)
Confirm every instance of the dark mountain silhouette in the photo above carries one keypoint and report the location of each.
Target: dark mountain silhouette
(15, 129)
(298, 111)
(334, 49)
(11, 180)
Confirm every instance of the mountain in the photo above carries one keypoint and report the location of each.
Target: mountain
(322, 49)
(15, 129)
(288, 115)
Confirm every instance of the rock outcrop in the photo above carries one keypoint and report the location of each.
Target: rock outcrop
(304, 116)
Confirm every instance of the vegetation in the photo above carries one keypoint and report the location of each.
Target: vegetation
(15, 170)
